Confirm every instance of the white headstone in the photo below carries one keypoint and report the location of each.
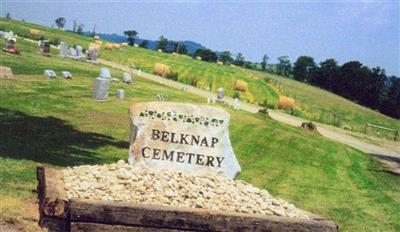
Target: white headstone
(126, 78)
(50, 73)
(139, 72)
(72, 51)
(101, 87)
(63, 49)
(220, 93)
(79, 52)
(120, 94)
(105, 73)
(236, 104)
(182, 137)
(66, 74)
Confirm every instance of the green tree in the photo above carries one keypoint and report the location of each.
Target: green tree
(74, 25)
(226, 57)
(162, 43)
(131, 35)
(284, 66)
(144, 44)
(304, 69)
(181, 49)
(8, 16)
(264, 62)
(327, 74)
(60, 22)
(239, 60)
(206, 54)
(79, 30)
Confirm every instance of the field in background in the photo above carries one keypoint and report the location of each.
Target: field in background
(311, 103)
(55, 122)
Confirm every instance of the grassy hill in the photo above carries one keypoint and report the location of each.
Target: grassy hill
(311, 103)
(55, 122)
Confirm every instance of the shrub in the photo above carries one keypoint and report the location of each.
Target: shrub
(172, 76)
(265, 103)
(236, 94)
(55, 41)
(192, 80)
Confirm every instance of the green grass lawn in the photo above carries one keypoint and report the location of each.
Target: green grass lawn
(55, 122)
(311, 103)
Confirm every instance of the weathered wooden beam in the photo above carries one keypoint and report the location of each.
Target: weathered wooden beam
(54, 224)
(96, 227)
(53, 201)
(159, 216)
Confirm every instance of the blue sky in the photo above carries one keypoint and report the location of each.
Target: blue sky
(364, 31)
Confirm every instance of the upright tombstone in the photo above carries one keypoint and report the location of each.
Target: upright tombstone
(66, 74)
(44, 48)
(63, 49)
(79, 52)
(182, 137)
(220, 94)
(93, 52)
(236, 104)
(126, 78)
(120, 94)
(72, 52)
(50, 73)
(101, 88)
(105, 73)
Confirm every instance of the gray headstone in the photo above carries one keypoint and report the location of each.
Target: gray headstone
(72, 51)
(126, 78)
(50, 73)
(120, 94)
(66, 74)
(92, 54)
(105, 73)
(63, 49)
(79, 52)
(220, 93)
(101, 87)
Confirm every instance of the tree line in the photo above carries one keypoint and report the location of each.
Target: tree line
(370, 87)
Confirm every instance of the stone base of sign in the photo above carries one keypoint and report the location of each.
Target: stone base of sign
(57, 213)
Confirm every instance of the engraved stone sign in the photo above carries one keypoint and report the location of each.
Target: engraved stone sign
(183, 137)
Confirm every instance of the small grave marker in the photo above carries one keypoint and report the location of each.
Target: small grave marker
(50, 73)
(66, 74)
(126, 78)
(120, 94)
(182, 137)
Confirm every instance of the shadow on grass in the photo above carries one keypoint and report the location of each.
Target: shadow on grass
(49, 140)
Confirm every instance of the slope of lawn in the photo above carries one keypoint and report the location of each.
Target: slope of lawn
(320, 105)
(55, 122)
(311, 103)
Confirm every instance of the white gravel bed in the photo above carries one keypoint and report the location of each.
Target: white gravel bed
(122, 182)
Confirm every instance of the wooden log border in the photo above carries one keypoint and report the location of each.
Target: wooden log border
(57, 213)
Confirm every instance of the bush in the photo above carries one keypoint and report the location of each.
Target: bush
(236, 94)
(192, 80)
(55, 41)
(172, 76)
(265, 103)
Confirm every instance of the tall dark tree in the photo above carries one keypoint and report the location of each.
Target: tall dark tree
(304, 69)
(181, 49)
(94, 31)
(74, 25)
(60, 22)
(8, 16)
(391, 103)
(284, 67)
(131, 35)
(206, 54)
(162, 43)
(144, 44)
(79, 30)
(351, 80)
(226, 57)
(327, 74)
(239, 60)
(264, 62)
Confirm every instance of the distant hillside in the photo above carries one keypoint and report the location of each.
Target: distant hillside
(190, 45)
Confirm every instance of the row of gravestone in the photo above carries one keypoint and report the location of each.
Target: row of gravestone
(102, 85)
(77, 53)
(51, 74)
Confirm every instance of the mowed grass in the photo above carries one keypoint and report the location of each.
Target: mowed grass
(311, 103)
(320, 105)
(55, 122)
